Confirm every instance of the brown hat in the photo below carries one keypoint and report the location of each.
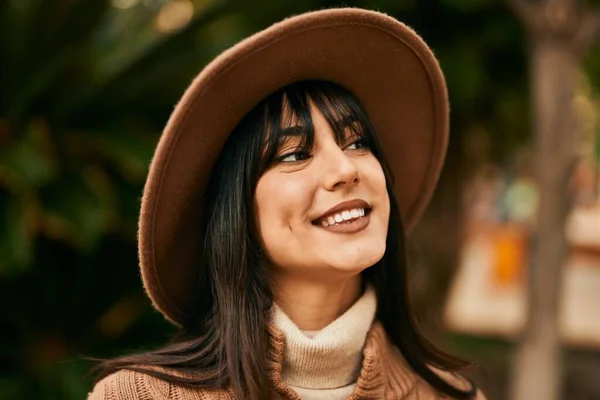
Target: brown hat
(385, 64)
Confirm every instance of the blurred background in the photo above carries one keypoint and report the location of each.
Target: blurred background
(87, 86)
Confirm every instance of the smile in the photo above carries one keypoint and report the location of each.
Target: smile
(342, 217)
(346, 221)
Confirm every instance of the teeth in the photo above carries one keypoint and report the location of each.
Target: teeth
(343, 216)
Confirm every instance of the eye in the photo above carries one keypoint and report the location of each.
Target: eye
(362, 143)
(294, 157)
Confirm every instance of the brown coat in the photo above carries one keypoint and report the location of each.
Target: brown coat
(384, 375)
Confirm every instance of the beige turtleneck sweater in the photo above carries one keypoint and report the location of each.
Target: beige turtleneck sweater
(326, 364)
(383, 371)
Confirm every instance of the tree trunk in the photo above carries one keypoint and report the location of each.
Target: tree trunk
(538, 365)
(560, 32)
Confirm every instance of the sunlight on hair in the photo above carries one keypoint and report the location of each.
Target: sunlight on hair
(174, 15)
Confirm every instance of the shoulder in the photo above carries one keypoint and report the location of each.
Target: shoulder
(417, 385)
(118, 385)
(132, 385)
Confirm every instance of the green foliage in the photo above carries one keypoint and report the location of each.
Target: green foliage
(17, 247)
(85, 90)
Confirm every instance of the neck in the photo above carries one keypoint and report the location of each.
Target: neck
(312, 304)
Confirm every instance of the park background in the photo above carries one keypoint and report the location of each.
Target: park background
(87, 86)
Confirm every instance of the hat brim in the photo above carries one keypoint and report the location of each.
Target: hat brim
(381, 61)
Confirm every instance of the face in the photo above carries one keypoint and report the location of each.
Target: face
(326, 210)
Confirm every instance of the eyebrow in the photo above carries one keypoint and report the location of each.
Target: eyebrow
(292, 131)
(299, 130)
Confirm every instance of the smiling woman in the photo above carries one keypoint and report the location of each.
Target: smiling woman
(324, 174)
(272, 231)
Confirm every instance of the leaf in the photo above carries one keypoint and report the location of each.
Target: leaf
(16, 233)
(16, 28)
(30, 161)
(120, 317)
(129, 149)
(141, 72)
(79, 209)
(464, 71)
(48, 38)
(14, 386)
(591, 65)
(71, 373)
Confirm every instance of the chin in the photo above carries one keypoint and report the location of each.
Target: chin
(349, 269)
(357, 262)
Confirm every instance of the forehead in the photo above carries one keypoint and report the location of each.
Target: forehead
(327, 110)
(313, 125)
(304, 115)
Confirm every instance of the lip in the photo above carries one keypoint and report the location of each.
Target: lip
(349, 227)
(345, 205)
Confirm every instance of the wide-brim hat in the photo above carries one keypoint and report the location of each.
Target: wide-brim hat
(384, 63)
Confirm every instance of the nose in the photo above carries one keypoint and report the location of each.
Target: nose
(339, 170)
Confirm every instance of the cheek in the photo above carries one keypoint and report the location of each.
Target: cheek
(378, 187)
(376, 177)
(281, 200)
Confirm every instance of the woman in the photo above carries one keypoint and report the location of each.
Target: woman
(271, 229)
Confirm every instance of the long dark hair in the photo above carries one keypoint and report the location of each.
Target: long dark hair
(224, 343)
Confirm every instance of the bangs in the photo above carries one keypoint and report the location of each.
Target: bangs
(287, 114)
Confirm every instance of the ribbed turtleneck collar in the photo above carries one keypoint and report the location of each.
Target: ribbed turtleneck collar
(332, 357)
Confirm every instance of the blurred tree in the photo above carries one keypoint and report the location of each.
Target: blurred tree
(560, 33)
(480, 49)
(85, 89)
